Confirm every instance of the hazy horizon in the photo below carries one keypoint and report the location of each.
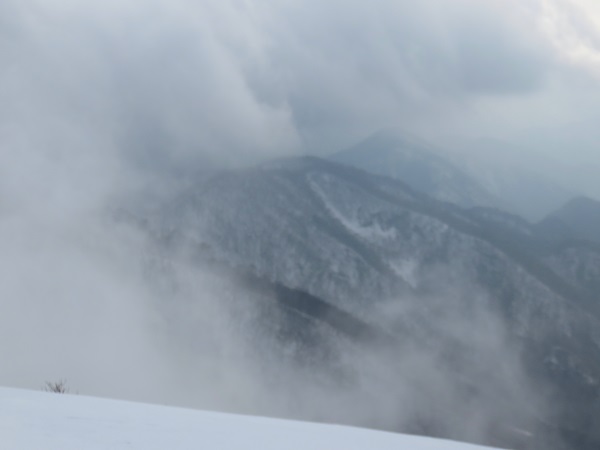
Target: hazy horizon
(109, 104)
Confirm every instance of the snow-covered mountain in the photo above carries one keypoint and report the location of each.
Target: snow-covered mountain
(579, 218)
(470, 289)
(415, 163)
(477, 173)
(39, 420)
(579, 263)
(528, 183)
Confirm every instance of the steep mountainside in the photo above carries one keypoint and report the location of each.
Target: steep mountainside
(518, 176)
(578, 263)
(411, 161)
(578, 219)
(476, 291)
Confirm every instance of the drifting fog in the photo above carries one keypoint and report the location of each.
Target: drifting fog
(93, 305)
(102, 100)
(240, 80)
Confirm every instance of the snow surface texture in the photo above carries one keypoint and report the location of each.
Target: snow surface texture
(40, 420)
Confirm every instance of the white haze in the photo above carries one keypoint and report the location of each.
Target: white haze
(92, 304)
(102, 98)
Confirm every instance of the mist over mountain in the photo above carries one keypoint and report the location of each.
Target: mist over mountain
(469, 173)
(577, 219)
(165, 237)
(459, 289)
(388, 153)
(531, 183)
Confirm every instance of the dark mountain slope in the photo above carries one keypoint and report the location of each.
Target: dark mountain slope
(368, 250)
(578, 219)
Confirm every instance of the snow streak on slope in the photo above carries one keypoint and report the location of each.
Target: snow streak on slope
(40, 420)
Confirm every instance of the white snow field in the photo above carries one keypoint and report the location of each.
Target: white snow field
(45, 421)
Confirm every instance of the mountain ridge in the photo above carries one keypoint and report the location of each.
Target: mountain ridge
(365, 244)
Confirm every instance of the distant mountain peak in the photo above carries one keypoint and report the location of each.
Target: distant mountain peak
(415, 162)
(582, 204)
(579, 218)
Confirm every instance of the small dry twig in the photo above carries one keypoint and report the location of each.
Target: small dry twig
(59, 387)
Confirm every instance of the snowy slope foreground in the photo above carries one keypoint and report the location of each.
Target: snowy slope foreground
(39, 420)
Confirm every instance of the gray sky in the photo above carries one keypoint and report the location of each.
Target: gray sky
(90, 92)
(237, 79)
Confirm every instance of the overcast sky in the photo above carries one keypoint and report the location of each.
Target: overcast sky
(94, 93)
(85, 86)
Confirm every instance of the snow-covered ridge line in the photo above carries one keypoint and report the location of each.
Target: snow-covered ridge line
(38, 420)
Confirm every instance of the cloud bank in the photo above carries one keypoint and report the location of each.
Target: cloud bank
(99, 98)
(233, 81)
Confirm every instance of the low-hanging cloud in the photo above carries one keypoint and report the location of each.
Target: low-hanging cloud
(97, 99)
(235, 81)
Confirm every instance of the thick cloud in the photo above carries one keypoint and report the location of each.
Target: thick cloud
(99, 96)
(92, 95)
(234, 81)
(349, 67)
